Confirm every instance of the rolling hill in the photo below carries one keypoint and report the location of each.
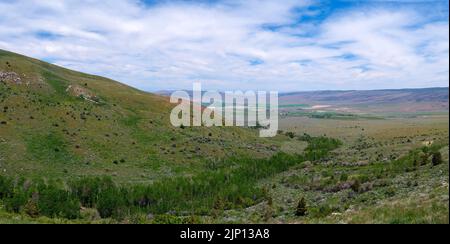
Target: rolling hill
(57, 122)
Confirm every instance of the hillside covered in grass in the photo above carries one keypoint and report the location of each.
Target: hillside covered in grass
(61, 123)
(77, 148)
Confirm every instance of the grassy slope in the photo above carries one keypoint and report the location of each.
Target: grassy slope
(389, 193)
(128, 135)
(133, 126)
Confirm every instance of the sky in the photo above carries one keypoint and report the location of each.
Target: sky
(288, 45)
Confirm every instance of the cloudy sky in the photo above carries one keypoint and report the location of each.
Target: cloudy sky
(267, 45)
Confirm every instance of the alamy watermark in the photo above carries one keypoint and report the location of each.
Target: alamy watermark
(231, 108)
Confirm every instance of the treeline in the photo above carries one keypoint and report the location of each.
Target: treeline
(38, 198)
(228, 184)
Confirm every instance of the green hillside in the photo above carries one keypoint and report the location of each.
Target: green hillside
(59, 123)
(77, 148)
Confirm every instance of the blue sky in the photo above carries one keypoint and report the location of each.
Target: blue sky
(288, 45)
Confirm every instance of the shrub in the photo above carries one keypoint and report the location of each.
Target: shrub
(436, 159)
(423, 158)
(6, 187)
(31, 207)
(16, 201)
(111, 203)
(305, 137)
(170, 219)
(322, 211)
(87, 190)
(326, 173)
(290, 134)
(301, 209)
(268, 209)
(268, 212)
(270, 201)
(55, 202)
(219, 204)
(89, 214)
(319, 147)
(390, 192)
(356, 186)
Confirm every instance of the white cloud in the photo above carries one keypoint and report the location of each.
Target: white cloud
(171, 45)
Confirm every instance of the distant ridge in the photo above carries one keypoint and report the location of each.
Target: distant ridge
(391, 100)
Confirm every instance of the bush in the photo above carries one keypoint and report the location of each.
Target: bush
(171, 219)
(268, 212)
(16, 201)
(423, 158)
(219, 204)
(87, 190)
(89, 214)
(343, 177)
(6, 187)
(319, 147)
(301, 208)
(390, 192)
(436, 159)
(322, 211)
(290, 134)
(55, 202)
(111, 203)
(31, 207)
(356, 186)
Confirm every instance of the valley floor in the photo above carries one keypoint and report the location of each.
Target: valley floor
(372, 178)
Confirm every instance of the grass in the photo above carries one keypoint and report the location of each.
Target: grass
(58, 84)
(330, 115)
(49, 148)
(47, 125)
(380, 157)
(123, 162)
(229, 184)
(406, 211)
(394, 192)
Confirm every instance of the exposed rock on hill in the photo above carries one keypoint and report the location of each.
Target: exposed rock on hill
(10, 77)
(79, 91)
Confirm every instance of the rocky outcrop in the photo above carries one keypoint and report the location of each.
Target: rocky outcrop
(79, 91)
(10, 77)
